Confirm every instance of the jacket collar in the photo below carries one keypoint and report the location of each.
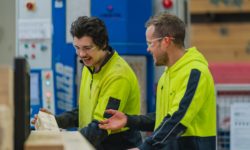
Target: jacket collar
(110, 54)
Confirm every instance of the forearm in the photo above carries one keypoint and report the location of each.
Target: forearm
(68, 119)
(166, 132)
(93, 133)
(141, 122)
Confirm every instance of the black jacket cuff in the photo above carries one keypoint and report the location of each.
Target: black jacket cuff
(146, 146)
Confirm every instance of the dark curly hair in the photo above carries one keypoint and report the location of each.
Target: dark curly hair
(168, 25)
(92, 27)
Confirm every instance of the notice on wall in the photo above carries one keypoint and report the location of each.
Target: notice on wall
(240, 126)
(34, 89)
(34, 29)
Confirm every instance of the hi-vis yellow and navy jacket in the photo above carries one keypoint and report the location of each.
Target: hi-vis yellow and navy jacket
(114, 86)
(185, 117)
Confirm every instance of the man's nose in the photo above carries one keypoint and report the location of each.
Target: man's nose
(81, 53)
(148, 49)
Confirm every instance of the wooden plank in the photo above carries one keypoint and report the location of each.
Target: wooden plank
(44, 140)
(206, 6)
(73, 140)
(6, 108)
(6, 86)
(54, 140)
(6, 128)
(232, 46)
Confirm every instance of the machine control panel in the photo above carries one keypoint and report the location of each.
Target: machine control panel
(48, 90)
(34, 30)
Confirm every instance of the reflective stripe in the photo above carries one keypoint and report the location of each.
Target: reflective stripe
(170, 124)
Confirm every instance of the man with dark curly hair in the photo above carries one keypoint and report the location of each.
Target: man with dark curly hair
(107, 82)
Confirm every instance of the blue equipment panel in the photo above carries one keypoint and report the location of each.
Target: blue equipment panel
(125, 20)
(64, 60)
(42, 41)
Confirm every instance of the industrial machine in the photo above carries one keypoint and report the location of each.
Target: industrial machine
(43, 38)
(125, 21)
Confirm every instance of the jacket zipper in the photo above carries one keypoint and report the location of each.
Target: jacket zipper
(91, 83)
(168, 90)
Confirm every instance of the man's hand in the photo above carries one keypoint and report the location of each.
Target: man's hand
(117, 121)
(134, 149)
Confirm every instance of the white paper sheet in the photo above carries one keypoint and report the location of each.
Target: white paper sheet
(34, 29)
(240, 126)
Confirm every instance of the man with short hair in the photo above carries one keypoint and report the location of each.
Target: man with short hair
(185, 117)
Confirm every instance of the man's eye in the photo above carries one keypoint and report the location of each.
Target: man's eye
(86, 47)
